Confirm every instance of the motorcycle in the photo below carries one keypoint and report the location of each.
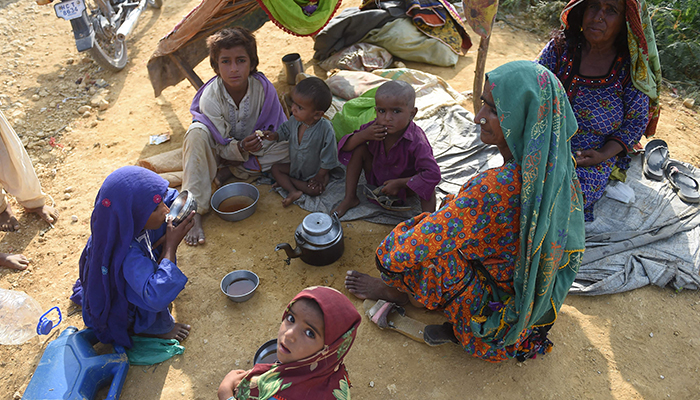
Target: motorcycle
(102, 26)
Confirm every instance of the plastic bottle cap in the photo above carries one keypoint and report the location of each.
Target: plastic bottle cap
(45, 325)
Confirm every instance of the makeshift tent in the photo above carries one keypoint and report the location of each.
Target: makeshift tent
(184, 47)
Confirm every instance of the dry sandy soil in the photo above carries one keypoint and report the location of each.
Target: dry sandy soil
(640, 344)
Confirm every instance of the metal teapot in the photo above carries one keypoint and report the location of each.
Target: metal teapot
(319, 240)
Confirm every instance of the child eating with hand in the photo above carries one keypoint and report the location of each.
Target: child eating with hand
(313, 151)
(392, 150)
(318, 327)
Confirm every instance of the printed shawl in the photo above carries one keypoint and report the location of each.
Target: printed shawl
(537, 122)
(320, 376)
(124, 203)
(644, 57)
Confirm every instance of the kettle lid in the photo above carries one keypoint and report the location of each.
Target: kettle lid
(317, 224)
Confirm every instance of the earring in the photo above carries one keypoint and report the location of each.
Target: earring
(482, 121)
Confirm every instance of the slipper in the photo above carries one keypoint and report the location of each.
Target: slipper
(391, 203)
(388, 315)
(655, 158)
(682, 180)
(436, 335)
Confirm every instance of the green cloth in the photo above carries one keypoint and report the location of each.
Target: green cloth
(289, 16)
(149, 351)
(538, 122)
(355, 113)
(618, 175)
(645, 64)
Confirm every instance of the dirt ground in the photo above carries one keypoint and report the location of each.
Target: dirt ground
(642, 344)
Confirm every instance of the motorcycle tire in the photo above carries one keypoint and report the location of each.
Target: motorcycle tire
(113, 60)
(155, 3)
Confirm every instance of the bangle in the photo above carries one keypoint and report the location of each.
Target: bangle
(240, 146)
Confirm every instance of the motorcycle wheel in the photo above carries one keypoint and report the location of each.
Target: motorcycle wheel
(155, 3)
(110, 54)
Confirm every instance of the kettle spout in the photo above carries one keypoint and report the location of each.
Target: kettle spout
(288, 249)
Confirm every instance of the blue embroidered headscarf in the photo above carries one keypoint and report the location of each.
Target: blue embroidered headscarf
(124, 203)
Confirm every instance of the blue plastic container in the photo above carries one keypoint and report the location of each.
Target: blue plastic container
(71, 369)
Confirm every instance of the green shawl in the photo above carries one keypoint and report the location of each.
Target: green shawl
(290, 17)
(537, 122)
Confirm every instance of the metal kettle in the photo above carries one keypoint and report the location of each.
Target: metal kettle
(319, 240)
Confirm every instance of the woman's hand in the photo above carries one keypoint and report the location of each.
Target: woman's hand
(587, 158)
(230, 382)
(251, 143)
(373, 132)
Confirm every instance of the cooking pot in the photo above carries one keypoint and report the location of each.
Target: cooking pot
(319, 240)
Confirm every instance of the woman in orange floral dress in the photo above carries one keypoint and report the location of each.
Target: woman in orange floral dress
(498, 257)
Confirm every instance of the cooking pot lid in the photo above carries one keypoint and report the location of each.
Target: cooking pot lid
(317, 224)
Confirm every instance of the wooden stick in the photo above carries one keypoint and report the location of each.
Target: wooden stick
(479, 72)
(187, 71)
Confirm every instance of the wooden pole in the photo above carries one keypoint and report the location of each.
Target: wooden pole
(189, 73)
(479, 72)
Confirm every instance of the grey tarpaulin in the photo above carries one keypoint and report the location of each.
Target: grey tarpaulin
(655, 240)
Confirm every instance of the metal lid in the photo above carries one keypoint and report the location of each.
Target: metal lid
(317, 224)
(319, 228)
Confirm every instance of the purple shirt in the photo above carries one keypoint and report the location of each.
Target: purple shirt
(411, 156)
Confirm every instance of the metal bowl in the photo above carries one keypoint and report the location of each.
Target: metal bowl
(249, 280)
(183, 205)
(231, 190)
(267, 353)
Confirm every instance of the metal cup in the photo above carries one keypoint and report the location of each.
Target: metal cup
(294, 66)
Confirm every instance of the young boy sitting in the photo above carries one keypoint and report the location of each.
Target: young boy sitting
(313, 151)
(392, 150)
(226, 112)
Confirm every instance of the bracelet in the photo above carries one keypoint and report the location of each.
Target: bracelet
(240, 147)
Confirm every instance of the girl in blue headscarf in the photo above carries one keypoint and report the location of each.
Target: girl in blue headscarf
(125, 284)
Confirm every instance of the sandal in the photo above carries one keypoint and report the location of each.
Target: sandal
(435, 335)
(389, 315)
(682, 180)
(391, 203)
(655, 159)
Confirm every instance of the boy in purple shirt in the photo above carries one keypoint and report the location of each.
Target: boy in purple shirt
(392, 150)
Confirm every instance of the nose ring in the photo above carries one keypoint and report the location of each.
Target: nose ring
(482, 121)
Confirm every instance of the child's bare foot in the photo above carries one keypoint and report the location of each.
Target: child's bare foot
(364, 286)
(222, 176)
(179, 332)
(47, 213)
(291, 198)
(196, 235)
(14, 261)
(345, 205)
(8, 222)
